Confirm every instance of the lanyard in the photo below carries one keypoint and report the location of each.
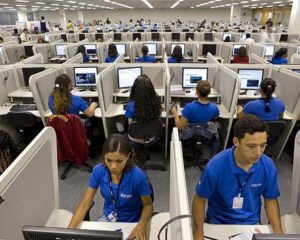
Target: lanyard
(242, 184)
(115, 200)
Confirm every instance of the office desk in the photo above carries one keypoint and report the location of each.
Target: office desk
(20, 93)
(85, 93)
(182, 93)
(119, 93)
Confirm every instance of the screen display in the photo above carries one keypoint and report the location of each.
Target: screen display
(296, 70)
(28, 50)
(46, 38)
(151, 47)
(208, 36)
(85, 76)
(250, 78)
(191, 76)
(226, 35)
(236, 48)
(117, 36)
(121, 48)
(179, 44)
(90, 49)
(269, 49)
(60, 50)
(27, 72)
(206, 48)
(126, 76)
(155, 36)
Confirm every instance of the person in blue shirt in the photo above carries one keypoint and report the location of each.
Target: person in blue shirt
(81, 49)
(267, 107)
(62, 101)
(235, 179)
(43, 25)
(124, 187)
(199, 112)
(146, 57)
(177, 56)
(280, 56)
(112, 53)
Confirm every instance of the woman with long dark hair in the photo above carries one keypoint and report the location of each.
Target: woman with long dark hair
(280, 56)
(81, 49)
(112, 53)
(177, 56)
(242, 56)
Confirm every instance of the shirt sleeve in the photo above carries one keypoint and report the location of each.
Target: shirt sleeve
(96, 176)
(129, 113)
(186, 112)
(51, 104)
(272, 190)
(217, 112)
(207, 183)
(142, 184)
(82, 104)
(248, 108)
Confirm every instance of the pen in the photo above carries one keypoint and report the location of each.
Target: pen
(118, 230)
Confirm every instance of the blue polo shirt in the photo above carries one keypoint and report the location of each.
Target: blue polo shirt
(109, 59)
(220, 184)
(146, 58)
(130, 110)
(134, 184)
(86, 58)
(257, 107)
(173, 60)
(196, 112)
(77, 105)
(279, 60)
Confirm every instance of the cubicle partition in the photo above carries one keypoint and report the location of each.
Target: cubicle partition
(295, 59)
(8, 79)
(211, 59)
(258, 49)
(44, 49)
(226, 51)
(4, 77)
(292, 49)
(71, 48)
(12, 53)
(35, 59)
(78, 58)
(255, 59)
(22, 189)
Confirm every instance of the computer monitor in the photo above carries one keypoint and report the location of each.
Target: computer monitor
(191, 76)
(99, 30)
(85, 31)
(168, 30)
(189, 35)
(177, 44)
(254, 31)
(117, 36)
(64, 37)
(81, 36)
(99, 36)
(269, 236)
(46, 37)
(91, 49)
(185, 30)
(250, 78)
(208, 36)
(136, 36)
(141, 30)
(283, 38)
(152, 48)
(28, 50)
(241, 30)
(60, 50)
(155, 36)
(126, 76)
(226, 35)
(71, 31)
(269, 50)
(54, 233)
(153, 30)
(85, 76)
(176, 36)
(16, 31)
(236, 48)
(27, 72)
(209, 48)
(121, 48)
(296, 70)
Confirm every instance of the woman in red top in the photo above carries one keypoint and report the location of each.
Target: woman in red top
(242, 56)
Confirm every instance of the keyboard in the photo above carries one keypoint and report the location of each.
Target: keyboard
(23, 108)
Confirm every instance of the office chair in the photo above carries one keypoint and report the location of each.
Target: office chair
(276, 128)
(149, 132)
(72, 143)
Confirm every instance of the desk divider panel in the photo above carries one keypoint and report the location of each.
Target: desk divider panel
(226, 50)
(291, 50)
(120, 59)
(295, 197)
(255, 59)
(295, 59)
(10, 79)
(71, 49)
(258, 49)
(288, 85)
(44, 49)
(23, 184)
(35, 59)
(12, 53)
(211, 59)
(4, 74)
(78, 58)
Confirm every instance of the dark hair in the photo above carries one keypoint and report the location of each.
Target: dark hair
(267, 86)
(147, 104)
(203, 89)
(8, 150)
(61, 94)
(1, 39)
(177, 53)
(248, 35)
(81, 49)
(118, 143)
(249, 124)
(25, 29)
(112, 50)
(281, 52)
(42, 17)
(227, 39)
(242, 52)
(145, 50)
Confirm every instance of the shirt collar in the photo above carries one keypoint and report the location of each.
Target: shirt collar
(106, 177)
(235, 168)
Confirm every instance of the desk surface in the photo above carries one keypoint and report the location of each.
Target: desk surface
(85, 93)
(21, 93)
(178, 91)
(119, 93)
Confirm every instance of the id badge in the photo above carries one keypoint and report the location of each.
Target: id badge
(112, 217)
(238, 202)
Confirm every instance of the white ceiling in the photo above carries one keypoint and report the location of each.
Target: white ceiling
(48, 5)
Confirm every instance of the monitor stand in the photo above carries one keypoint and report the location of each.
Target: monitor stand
(92, 89)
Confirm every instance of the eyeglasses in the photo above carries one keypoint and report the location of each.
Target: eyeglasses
(119, 161)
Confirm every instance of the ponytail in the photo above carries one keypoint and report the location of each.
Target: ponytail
(267, 99)
(61, 94)
(267, 87)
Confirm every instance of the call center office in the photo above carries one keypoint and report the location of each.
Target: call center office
(166, 78)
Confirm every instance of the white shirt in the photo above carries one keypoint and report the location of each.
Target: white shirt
(267, 37)
(25, 37)
(249, 41)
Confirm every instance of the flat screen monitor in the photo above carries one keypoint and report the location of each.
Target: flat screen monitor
(250, 78)
(71, 31)
(254, 31)
(81, 36)
(54, 233)
(64, 37)
(85, 76)
(225, 35)
(99, 36)
(236, 48)
(179, 44)
(136, 36)
(117, 36)
(85, 30)
(209, 48)
(46, 37)
(191, 76)
(155, 36)
(16, 31)
(168, 30)
(241, 30)
(121, 48)
(185, 30)
(176, 36)
(91, 49)
(99, 30)
(28, 50)
(208, 36)
(269, 50)
(266, 236)
(189, 35)
(153, 30)
(126, 76)
(296, 70)
(60, 50)
(141, 30)
(152, 48)
(283, 38)
(27, 72)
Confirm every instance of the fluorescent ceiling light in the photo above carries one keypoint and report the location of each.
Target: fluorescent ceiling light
(40, 3)
(244, 2)
(20, 5)
(148, 4)
(277, 2)
(174, 5)
(3, 4)
(71, 1)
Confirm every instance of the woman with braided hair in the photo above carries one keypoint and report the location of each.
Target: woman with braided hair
(267, 108)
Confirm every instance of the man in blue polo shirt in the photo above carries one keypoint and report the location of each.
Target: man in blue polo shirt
(234, 180)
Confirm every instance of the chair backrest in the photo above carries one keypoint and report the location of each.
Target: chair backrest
(21, 119)
(71, 137)
(276, 128)
(145, 130)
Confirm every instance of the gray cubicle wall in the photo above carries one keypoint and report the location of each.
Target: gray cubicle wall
(211, 59)
(255, 59)
(44, 49)
(77, 59)
(12, 53)
(295, 59)
(35, 59)
(226, 51)
(9, 80)
(258, 49)
(292, 49)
